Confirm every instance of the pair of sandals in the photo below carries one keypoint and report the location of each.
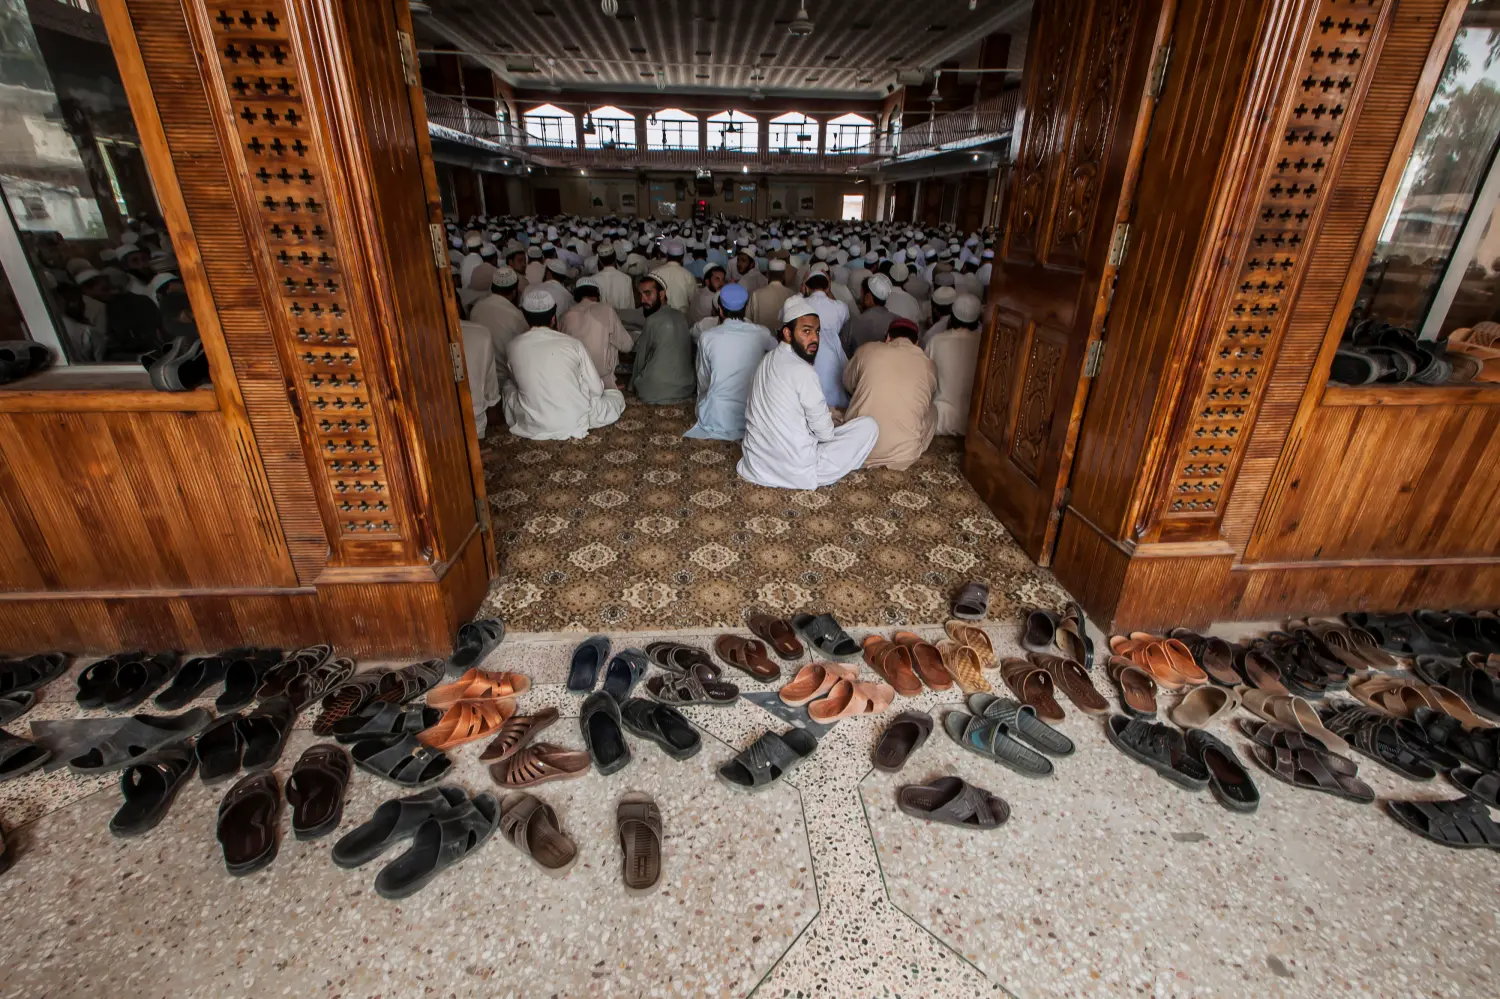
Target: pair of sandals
(250, 814)
(831, 691)
(1301, 760)
(444, 825)
(247, 741)
(1169, 661)
(1401, 698)
(1045, 632)
(518, 761)
(1007, 732)
(475, 705)
(906, 662)
(178, 366)
(122, 681)
(19, 358)
(1035, 679)
(1196, 761)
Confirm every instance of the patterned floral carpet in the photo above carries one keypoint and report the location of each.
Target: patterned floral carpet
(637, 528)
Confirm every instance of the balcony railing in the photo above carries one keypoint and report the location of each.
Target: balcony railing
(970, 126)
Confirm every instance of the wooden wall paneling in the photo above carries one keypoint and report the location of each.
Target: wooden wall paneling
(181, 142)
(1383, 132)
(1278, 590)
(134, 501)
(1334, 63)
(1398, 482)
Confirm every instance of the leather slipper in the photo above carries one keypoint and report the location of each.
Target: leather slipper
(778, 633)
(902, 737)
(1136, 687)
(248, 822)
(953, 802)
(1203, 705)
(893, 663)
(813, 681)
(1034, 686)
(972, 601)
(748, 656)
(926, 659)
(316, 790)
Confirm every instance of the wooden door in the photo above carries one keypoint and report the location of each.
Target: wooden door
(1089, 69)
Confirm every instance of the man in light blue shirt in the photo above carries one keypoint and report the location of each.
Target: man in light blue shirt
(728, 355)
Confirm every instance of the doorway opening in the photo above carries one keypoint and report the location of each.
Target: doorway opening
(854, 207)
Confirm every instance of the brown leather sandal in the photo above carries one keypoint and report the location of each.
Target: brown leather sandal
(1137, 688)
(477, 683)
(516, 732)
(747, 656)
(975, 638)
(1034, 686)
(926, 659)
(467, 721)
(893, 663)
(962, 663)
(539, 763)
(1071, 678)
(778, 634)
(813, 681)
(852, 697)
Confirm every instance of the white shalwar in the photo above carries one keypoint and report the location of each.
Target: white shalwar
(555, 392)
(484, 380)
(790, 440)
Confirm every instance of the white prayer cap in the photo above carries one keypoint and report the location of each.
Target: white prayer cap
(880, 286)
(86, 275)
(538, 300)
(899, 273)
(552, 232)
(945, 254)
(129, 237)
(872, 257)
(795, 308)
(943, 279)
(841, 257)
(487, 250)
(76, 264)
(557, 267)
(944, 295)
(108, 253)
(820, 251)
(588, 281)
(472, 240)
(606, 249)
(966, 308)
(988, 254)
(622, 247)
(777, 264)
(504, 277)
(548, 246)
(533, 253)
(899, 256)
(672, 247)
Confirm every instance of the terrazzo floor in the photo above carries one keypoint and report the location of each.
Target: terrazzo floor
(1106, 881)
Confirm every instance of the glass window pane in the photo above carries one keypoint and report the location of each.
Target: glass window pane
(76, 188)
(1440, 189)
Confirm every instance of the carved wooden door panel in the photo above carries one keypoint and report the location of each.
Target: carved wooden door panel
(1088, 104)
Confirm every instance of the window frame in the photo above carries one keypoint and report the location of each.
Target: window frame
(790, 124)
(680, 121)
(749, 126)
(602, 121)
(836, 129)
(565, 123)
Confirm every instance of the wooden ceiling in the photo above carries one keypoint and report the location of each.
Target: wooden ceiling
(855, 48)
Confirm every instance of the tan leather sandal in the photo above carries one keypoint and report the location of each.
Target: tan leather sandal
(975, 638)
(1032, 685)
(962, 663)
(893, 663)
(813, 681)
(478, 683)
(467, 721)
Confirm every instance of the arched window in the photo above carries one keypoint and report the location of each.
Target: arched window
(850, 133)
(671, 128)
(733, 131)
(609, 128)
(550, 125)
(793, 132)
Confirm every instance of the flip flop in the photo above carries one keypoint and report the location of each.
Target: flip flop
(953, 802)
(901, 738)
(779, 634)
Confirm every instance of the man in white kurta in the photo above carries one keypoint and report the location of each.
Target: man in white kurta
(901, 302)
(555, 392)
(766, 303)
(728, 355)
(616, 289)
(497, 313)
(479, 364)
(598, 328)
(675, 278)
(955, 352)
(832, 317)
(749, 276)
(790, 439)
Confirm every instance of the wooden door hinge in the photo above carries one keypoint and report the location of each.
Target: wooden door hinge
(1119, 245)
(1159, 69)
(439, 246)
(482, 513)
(1094, 360)
(456, 353)
(408, 58)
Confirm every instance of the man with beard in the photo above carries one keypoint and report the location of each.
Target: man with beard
(663, 372)
(790, 440)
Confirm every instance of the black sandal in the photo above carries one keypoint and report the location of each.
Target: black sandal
(95, 681)
(220, 749)
(135, 681)
(248, 818)
(149, 788)
(476, 640)
(405, 761)
(13, 706)
(385, 721)
(196, 675)
(244, 677)
(138, 737)
(316, 790)
(265, 731)
(401, 685)
(17, 675)
(824, 634)
(308, 687)
(663, 725)
(280, 676)
(347, 700)
(19, 756)
(603, 733)
(768, 759)
(438, 844)
(1461, 823)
